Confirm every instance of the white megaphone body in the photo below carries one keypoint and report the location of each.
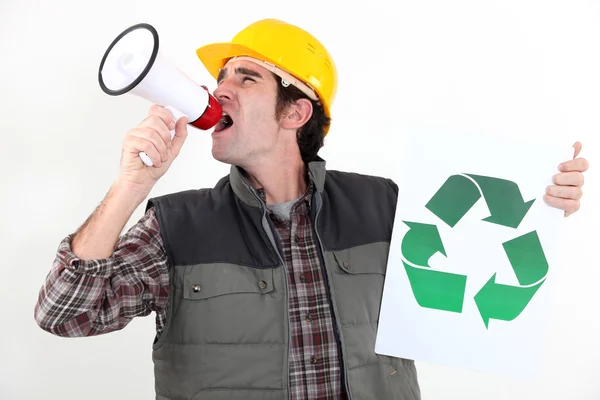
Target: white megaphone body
(132, 64)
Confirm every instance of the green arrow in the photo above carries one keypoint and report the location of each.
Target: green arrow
(432, 289)
(503, 199)
(506, 302)
(527, 258)
(436, 289)
(421, 242)
(452, 201)
(503, 301)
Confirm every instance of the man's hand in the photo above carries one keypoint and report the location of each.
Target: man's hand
(151, 136)
(566, 192)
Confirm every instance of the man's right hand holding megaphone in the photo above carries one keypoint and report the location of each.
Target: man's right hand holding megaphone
(152, 137)
(132, 64)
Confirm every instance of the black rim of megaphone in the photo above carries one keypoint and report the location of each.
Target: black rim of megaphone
(144, 72)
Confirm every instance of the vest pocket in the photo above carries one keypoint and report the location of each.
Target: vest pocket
(223, 303)
(210, 280)
(350, 266)
(366, 259)
(358, 275)
(380, 381)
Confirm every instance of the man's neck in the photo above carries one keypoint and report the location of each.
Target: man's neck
(281, 182)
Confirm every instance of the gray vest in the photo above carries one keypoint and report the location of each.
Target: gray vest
(227, 330)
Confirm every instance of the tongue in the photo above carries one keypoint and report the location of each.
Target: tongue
(224, 123)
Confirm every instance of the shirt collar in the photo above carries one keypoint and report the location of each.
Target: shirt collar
(306, 196)
(244, 190)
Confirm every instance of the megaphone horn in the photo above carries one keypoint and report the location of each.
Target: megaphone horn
(132, 64)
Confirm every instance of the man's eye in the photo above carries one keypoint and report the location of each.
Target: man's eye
(247, 78)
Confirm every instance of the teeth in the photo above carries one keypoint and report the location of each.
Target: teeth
(224, 113)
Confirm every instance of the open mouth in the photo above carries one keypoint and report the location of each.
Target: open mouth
(224, 123)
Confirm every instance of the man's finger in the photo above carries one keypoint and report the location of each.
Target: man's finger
(565, 192)
(578, 164)
(163, 114)
(569, 179)
(568, 205)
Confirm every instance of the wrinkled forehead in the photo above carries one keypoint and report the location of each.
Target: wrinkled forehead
(263, 67)
(247, 63)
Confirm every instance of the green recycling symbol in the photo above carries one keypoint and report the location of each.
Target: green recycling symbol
(446, 291)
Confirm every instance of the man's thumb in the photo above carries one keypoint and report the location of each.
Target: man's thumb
(577, 146)
(181, 133)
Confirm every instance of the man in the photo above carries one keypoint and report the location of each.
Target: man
(267, 286)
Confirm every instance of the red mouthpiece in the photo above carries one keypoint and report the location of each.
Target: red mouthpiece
(211, 115)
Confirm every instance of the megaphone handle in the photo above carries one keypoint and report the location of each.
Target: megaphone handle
(176, 115)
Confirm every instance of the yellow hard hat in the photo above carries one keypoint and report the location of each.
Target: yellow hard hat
(284, 46)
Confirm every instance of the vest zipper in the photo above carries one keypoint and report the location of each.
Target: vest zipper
(269, 233)
(335, 310)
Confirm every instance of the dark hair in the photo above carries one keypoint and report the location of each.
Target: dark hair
(310, 136)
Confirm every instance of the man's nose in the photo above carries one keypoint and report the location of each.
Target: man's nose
(224, 91)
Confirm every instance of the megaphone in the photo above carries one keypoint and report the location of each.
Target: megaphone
(133, 64)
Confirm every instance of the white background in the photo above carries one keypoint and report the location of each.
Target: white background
(518, 68)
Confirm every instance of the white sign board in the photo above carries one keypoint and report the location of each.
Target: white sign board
(473, 252)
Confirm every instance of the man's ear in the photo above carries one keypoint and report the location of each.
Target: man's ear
(296, 114)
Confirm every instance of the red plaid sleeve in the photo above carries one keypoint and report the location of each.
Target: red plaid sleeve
(86, 298)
